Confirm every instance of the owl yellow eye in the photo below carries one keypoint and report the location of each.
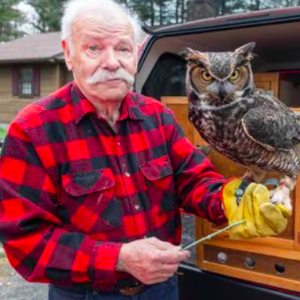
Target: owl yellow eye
(205, 76)
(235, 75)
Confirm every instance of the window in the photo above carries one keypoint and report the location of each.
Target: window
(289, 87)
(26, 81)
(167, 77)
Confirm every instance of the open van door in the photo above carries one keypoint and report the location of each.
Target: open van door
(272, 262)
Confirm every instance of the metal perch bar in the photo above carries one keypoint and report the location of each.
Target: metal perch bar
(210, 236)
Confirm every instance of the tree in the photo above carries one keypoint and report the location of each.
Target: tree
(153, 12)
(10, 20)
(157, 12)
(145, 10)
(49, 14)
(201, 9)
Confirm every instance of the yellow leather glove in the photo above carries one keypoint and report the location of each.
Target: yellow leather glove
(262, 218)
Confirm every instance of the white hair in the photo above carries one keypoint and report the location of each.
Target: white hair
(75, 8)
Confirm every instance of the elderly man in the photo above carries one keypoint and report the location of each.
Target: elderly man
(92, 176)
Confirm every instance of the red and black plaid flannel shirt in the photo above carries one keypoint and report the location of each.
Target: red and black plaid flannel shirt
(72, 190)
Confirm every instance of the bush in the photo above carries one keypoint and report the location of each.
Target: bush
(3, 133)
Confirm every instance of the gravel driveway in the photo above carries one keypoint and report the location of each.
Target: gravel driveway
(14, 287)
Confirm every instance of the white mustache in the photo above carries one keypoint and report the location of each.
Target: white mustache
(104, 75)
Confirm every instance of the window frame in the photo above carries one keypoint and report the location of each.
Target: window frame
(21, 83)
(35, 81)
(157, 68)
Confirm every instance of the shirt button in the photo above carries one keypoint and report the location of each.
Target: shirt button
(118, 143)
(137, 207)
(127, 174)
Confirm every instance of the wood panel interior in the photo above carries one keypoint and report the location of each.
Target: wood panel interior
(275, 249)
(271, 265)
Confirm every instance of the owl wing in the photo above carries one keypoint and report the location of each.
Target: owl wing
(274, 127)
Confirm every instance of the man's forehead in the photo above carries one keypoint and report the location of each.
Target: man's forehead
(118, 38)
(92, 24)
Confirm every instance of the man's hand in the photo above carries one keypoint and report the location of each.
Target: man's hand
(262, 218)
(150, 260)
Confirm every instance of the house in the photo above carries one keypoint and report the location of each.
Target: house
(30, 68)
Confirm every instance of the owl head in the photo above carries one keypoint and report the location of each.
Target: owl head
(219, 77)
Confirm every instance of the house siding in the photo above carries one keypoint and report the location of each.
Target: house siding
(50, 80)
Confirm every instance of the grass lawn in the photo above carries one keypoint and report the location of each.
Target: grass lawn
(2, 133)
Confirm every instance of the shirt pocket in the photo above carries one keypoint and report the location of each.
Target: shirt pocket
(91, 201)
(159, 184)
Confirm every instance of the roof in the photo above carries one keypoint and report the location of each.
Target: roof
(39, 47)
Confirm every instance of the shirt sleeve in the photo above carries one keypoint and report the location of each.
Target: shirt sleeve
(34, 238)
(197, 182)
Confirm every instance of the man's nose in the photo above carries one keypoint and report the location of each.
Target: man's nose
(110, 60)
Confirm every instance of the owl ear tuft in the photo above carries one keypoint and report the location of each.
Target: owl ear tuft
(246, 50)
(188, 54)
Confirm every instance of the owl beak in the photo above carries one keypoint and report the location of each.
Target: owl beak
(221, 91)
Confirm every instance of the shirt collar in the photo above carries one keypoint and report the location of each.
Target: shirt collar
(130, 106)
(81, 106)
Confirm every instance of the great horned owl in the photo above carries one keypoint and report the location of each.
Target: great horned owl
(248, 125)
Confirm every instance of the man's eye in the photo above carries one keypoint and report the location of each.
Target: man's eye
(124, 49)
(93, 48)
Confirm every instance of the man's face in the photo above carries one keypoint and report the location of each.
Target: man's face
(103, 57)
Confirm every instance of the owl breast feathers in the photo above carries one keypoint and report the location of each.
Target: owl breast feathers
(248, 125)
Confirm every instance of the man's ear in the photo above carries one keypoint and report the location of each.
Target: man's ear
(67, 52)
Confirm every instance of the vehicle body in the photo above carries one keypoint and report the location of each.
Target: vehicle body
(161, 73)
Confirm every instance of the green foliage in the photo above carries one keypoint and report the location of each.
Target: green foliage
(3, 133)
(10, 20)
(143, 8)
(163, 12)
(49, 13)
(151, 12)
